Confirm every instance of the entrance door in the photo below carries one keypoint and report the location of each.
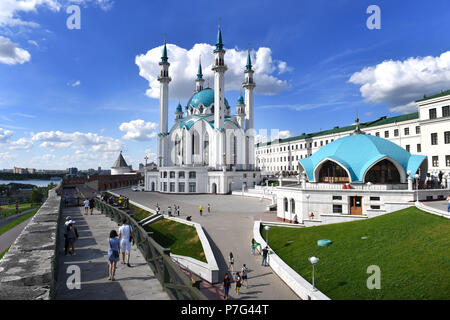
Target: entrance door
(355, 206)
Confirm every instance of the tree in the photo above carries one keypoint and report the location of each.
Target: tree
(36, 195)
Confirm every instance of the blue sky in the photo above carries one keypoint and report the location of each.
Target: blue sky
(74, 97)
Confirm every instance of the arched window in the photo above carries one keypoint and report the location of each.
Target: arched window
(292, 206)
(383, 172)
(331, 172)
(206, 149)
(195, 143)
(286, 209)
(233, 149)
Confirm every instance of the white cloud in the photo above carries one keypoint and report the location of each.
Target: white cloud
(139, 130)
(283, 67)
(5, 135)
(184, 66)
(9, 10)
(11, 54)
(92, 141)
(74, 84)
(34, 43)
(4, 156)
(275, 134)
(399, 83)
(102, 4)
(22, 144)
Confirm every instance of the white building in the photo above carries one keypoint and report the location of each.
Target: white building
(426, 132)
(120, 166)
(207, 150)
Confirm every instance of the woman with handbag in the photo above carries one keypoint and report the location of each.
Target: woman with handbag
(113, 253)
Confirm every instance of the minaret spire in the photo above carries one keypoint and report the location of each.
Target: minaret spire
(357, 129)
(164, 80)
(199, 81)
(249, 61)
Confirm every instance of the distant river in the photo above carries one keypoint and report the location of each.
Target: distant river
(38, 183)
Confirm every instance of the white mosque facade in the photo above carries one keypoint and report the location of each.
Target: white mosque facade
(207, 150)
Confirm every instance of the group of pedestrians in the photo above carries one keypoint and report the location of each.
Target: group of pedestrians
(239, 278)
(200, 209)
(119, 243)
(89, 204)
(176, 210)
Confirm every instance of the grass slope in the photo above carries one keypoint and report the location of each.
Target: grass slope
(410, 246)
(180, 238)
(8, 210)
(18, 221)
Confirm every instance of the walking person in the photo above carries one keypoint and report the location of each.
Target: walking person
(113, 253)
(91, 205)
(178, 211)
(209, 208)
(226, 285)
(264, 256)
(169, 211)
(70, 236)
(244, 275)
(201, 209)
(231, 262)
(86, 206)
(448, 206)
(237, 283)
(158, 209)
(126, 239)
(253, 246)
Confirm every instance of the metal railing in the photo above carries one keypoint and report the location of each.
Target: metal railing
(174, 281)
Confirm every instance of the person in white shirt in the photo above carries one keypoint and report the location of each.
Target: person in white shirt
(86, 206)
(448, 206)
(126, 238)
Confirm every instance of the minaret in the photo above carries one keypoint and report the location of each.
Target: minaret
(199, 81)
(240, 111)
(164, 80)
(179, 112)
(248, 86)
(219, 69)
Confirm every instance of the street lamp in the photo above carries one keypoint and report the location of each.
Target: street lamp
(307, 211)
(267, 228)
(369, 184)
(416, 176)
(313, 261)
(145, 174)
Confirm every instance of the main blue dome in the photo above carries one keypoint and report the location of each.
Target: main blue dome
(205, 97)
(357, 153)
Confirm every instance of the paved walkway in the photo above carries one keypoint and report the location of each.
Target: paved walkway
(136, 283)
(230, 227)
(441, 205)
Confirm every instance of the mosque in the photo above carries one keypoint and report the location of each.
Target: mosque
(207, 150)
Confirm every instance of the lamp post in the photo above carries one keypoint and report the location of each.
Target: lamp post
(145, 174)
(313, 261)
(307, 211)
(267, 228)
(416, 176)
(369, 184)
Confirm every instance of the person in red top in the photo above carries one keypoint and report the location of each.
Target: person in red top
(226, 285)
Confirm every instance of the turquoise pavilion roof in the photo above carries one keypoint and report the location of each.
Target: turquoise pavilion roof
(357, 153)
(205, 97)
(240, 100)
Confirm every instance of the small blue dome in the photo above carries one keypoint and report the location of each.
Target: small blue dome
(179, 108)
(240, 100)
(205, 97)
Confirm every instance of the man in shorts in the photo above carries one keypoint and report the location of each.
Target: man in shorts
(126, 238)
(86, 206)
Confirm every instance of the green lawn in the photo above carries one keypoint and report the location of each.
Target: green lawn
(411, 247)
(140, 213)
(18, 221)
(180, 238)
(10, 209)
